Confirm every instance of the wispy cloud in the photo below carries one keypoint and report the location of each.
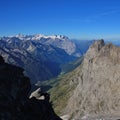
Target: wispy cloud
(106, 13)
(96, 16)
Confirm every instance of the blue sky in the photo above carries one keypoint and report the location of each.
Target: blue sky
(82, 19)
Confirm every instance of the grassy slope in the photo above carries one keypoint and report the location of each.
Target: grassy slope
(62, 88)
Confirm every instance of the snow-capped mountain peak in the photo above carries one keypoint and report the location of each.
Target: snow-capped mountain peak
(20, 36)
(39, 36)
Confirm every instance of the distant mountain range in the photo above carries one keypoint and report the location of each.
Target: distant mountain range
(41, 56)
(83, 45)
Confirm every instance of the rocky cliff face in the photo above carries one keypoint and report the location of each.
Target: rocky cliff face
(14, 101)
(98, 91)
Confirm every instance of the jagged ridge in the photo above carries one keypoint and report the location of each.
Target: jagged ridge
(97, 93)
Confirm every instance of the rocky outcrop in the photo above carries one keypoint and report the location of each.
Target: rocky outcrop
(98, 92)
(40, 95)
(14, 100)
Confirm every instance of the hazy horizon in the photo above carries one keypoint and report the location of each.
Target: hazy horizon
(80, 38)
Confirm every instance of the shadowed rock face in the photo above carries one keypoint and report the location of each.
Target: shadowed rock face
(14, 101)
(98, 91)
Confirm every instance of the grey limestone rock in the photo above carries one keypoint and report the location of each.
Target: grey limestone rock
(98, 90)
